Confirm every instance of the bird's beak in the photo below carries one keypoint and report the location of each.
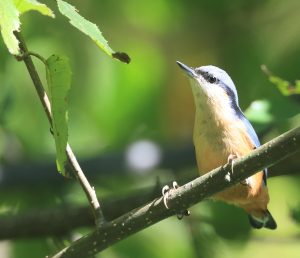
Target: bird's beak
(188, 70)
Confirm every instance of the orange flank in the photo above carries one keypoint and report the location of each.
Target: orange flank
(213, 149)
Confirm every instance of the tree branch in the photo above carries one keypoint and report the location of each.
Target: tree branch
(61, 220)
(185, 196)
(89, 191)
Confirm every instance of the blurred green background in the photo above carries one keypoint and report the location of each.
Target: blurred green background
(133, 116)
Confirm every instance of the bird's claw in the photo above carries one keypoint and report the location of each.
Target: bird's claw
(230, 160)
(165, 192)
(246, 182)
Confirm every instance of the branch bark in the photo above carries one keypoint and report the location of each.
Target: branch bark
(76, 169)
(184, 197)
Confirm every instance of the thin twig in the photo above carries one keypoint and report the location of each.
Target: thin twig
(89, 191)
(184, 197)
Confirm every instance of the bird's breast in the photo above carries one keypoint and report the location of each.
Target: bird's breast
(216, 137)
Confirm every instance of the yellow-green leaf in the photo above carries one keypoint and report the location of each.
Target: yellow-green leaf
(90, 29)
(297, 87)
(59, 84)
(9, 22)
(285, 87)
(28, 5)
(10, 11)
(282, 85)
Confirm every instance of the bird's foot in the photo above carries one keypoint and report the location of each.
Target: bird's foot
(165, 192)
(247, 182)
(230, 160)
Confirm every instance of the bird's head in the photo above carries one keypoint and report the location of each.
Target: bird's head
(211, 84)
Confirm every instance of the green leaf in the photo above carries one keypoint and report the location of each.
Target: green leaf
(297, 87)
(285, 87)
(9, 22)
(10, 11)
(28, 5)
(281, 84)
(59, 84)
(90, 29)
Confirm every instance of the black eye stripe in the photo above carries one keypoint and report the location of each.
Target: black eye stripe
(207, 76)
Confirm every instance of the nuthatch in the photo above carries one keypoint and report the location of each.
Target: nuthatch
(221, 133)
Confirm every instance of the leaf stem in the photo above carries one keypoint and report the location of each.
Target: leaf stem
(37, 56)
(88, 189)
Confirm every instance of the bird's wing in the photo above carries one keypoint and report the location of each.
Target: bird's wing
(254, 139)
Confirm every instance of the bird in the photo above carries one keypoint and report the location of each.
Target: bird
(222, 133)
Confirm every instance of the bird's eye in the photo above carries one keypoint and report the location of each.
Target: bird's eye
(211, 79)
(207, 76)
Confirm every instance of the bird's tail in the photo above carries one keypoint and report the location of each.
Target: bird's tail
(266, 221)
